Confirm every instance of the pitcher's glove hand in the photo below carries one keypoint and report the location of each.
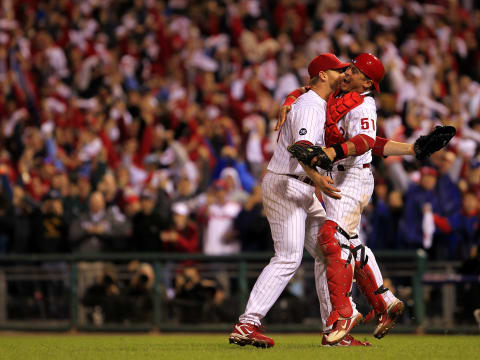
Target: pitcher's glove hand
(426, 145)
(311, 155)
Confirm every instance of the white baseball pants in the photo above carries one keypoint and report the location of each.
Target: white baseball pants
(295, 216)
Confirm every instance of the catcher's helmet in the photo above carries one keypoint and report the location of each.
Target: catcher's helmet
(371, 66)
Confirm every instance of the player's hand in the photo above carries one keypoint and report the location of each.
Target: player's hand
(322, 182)
(291, 98)
(282, 116)
(311, 155)
(437, 139)
(325, 185)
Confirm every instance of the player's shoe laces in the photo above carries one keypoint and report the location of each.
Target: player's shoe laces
(248, 334)
(342, 327)
(387, 320)
(348, 340)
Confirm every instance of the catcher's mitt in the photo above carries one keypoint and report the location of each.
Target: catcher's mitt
(306, 153)
(426, 145)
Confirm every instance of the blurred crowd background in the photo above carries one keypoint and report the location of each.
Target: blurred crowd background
(142, 125)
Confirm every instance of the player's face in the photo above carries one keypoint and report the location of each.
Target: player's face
(335, 77)
(354, 80)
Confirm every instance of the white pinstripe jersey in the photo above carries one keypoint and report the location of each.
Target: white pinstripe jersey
(305, 121)
(360, 120)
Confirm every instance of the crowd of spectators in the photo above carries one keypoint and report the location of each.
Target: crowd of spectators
(143, 125)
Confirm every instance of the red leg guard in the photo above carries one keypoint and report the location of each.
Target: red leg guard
(339, 273)
(367, 284)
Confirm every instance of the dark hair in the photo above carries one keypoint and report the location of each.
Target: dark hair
(314, 80)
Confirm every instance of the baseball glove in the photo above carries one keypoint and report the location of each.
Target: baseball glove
(426, 145)
(306, 154)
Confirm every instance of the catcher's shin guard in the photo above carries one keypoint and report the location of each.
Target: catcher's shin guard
(370, 286)
(339, 272)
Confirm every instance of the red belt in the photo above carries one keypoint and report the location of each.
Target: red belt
(342, 168)
(307, 180)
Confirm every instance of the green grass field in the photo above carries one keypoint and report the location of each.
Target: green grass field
(211, 347)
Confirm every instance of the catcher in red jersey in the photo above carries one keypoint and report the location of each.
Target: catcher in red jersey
(350, 130)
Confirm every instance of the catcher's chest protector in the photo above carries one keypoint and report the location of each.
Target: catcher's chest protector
(336, 109)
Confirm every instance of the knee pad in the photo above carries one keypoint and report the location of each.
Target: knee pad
(327, 240)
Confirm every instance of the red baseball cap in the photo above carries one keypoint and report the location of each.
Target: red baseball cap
(371, 66)
(324, 62)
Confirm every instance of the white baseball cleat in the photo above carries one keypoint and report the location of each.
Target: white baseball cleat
(248, 334)
(342, 328)
(387, 320)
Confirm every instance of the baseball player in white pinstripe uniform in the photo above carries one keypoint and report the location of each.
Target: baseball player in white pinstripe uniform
(293, 211)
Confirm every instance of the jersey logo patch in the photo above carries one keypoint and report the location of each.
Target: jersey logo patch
(302, 131)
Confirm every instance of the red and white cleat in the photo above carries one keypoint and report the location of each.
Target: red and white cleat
(388, 319)
(342, 328)
(348, 340)
(248, 334)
